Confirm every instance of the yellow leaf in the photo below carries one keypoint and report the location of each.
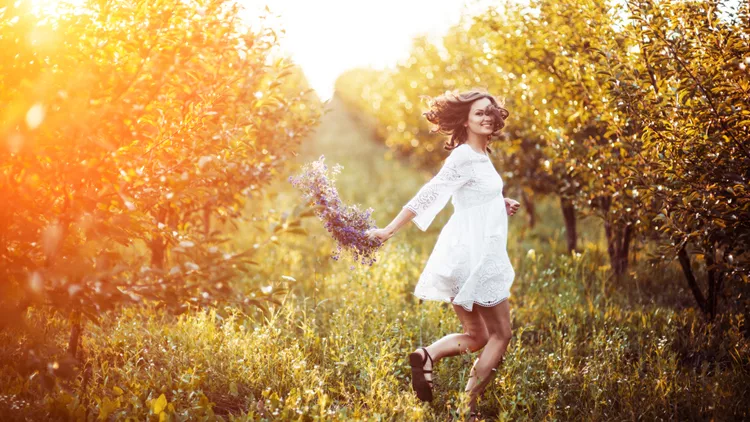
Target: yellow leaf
(159, 404)
(107, 407)
(573, 116)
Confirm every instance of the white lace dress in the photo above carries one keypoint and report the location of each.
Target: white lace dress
(469, 263)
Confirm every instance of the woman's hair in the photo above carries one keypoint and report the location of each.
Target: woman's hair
(451, 110)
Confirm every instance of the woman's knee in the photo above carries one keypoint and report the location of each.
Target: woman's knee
(501, 337)
(479, 339)
(505, 336)
(474, 327)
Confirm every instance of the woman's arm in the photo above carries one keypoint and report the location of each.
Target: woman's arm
(457, 171)
(432, 197)
(511, 206)
(388, 231)
(403, 218)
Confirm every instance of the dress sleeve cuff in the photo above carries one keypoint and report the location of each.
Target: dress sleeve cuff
(416, 219)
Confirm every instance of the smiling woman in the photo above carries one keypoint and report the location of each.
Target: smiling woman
(469, 264)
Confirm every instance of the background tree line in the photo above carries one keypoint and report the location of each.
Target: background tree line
(634, 112)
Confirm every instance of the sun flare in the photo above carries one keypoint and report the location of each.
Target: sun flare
(51, 7)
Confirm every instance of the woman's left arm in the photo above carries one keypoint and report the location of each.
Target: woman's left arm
(511, 206)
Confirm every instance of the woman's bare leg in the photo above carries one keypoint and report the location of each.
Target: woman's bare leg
(497, 321)
(473, 338)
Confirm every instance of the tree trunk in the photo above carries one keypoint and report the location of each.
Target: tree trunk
(569, 215)
(714, 286)
(684, 259)
(708, 305)
(528, 203)
(624, 251)
(75, 332)
(618, 245)
(158, 244)
(206, 221)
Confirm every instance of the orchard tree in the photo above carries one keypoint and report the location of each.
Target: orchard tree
(687, 90)
(131, 128)
(545, 54)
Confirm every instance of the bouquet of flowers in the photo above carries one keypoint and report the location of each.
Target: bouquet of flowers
(347, 224)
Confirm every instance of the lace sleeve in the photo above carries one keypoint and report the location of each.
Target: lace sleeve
(433, 196)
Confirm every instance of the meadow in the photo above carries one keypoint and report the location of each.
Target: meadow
(584, 347)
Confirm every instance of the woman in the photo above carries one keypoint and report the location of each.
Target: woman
(469, 264)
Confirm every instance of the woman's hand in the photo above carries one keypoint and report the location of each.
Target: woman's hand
(511, 206)
(381, 234)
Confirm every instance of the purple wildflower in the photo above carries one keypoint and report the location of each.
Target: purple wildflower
(347, 224)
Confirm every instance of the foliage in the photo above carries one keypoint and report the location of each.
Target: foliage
(133, 134)
(686, 91)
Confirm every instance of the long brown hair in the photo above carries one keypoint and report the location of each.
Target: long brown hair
(451, 110)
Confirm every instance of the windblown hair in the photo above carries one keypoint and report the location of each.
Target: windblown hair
(451, 110)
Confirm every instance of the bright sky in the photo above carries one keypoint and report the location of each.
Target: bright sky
(327, 37)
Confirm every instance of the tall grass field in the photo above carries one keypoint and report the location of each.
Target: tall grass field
(334, 348)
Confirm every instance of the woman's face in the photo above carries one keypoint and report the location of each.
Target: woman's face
(479, 121)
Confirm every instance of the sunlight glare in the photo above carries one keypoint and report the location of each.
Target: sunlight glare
(52, 7)
(328, 37)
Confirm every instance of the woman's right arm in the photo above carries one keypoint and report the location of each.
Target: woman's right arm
(401, 220)
(432, 197)
(388, 231)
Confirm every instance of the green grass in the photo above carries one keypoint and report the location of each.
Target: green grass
(584, 347)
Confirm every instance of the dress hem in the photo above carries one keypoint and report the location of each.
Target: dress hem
(463, 305)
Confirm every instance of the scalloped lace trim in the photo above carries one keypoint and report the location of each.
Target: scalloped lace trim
(466, 305)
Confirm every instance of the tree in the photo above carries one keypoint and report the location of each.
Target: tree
(687, 91)
(133, 127)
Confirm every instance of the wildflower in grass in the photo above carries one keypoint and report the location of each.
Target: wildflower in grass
(347, 224)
